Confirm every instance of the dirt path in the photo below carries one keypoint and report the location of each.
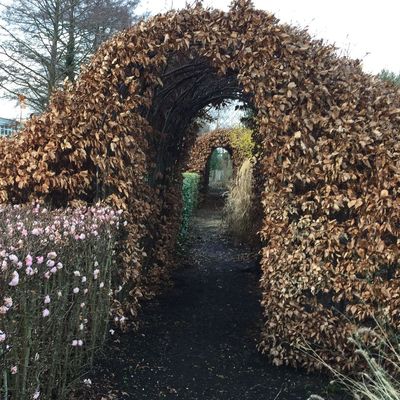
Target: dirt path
(198, 340)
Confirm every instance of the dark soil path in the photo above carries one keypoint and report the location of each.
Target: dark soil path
(198, 340)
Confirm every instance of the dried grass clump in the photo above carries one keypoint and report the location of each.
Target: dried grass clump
(238, 212)
(378, 362)
(327, 174)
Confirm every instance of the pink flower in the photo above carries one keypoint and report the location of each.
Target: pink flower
(28, 260)
(82, 236)
(74, 343)
(50, 263)
(15, 279)
(47, 274)
(2, 336)
(46, 313)
(47, 299)
(53, 270)
(24, 232)
(59, 265)
(36, 231)
(3, 310)
(14, 370)
(39, 260)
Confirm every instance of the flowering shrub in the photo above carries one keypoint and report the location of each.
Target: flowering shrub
(55, 294)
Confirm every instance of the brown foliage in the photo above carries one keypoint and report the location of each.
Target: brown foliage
(327, 168)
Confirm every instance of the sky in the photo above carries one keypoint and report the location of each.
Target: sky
(368, 30)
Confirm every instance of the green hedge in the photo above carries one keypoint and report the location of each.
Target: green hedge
(190, 194)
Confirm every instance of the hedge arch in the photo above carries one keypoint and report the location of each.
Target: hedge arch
(202, 149)
(328, 164)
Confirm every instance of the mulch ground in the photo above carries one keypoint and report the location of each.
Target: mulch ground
(198, 340)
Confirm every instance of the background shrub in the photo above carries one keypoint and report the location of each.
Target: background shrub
(190, 194)
(56, 288)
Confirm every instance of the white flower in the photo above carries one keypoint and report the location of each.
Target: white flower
(83, 305)
(36, 394)
(81, 327)
(2, 336)
(87, 382)
(53, 270)
(47, 299)
(112, 331)
(83, 279)
(80, 342)
(59, 265)
(74, 343)
(46, 313)
(29, 271)
(15, 279)
(101, 285)
(76, 290)
(50, 263)
(13, 258)
(96, 274)
(8, 302)
(59, 293)
(52, 255)
(85, 290)
(77, 273)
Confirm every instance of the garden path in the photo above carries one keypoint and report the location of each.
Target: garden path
(198, 340)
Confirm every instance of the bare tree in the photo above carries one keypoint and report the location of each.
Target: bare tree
(42, 42)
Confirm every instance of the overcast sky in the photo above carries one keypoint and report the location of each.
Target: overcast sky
(369, 29)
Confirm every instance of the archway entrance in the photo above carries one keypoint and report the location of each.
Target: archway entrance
(220, 169)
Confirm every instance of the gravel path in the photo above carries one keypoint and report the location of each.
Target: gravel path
(198, 340)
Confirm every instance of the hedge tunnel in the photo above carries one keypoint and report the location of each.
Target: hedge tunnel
(327, 165)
